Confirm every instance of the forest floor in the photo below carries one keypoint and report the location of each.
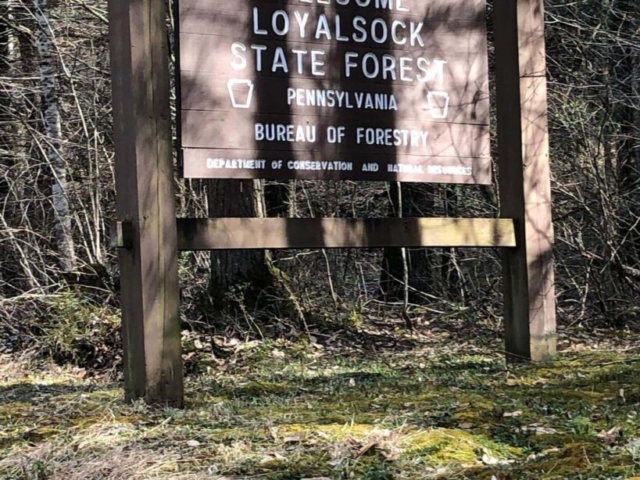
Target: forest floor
(382, 405)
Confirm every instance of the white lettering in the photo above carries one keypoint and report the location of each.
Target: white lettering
(280, 61)
(358, 25)
(381, 36)
(302, 22)
(316, 63)
(240, 61)
(391, 137)
(279, 132)
(376, 66)
(394, 32)
(348, 64)
(323, 27)
(299, 62)
(416, 36)
(286, 25)
(256, 22)
(259, 49)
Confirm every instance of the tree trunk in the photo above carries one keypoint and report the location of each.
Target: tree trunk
(417, 201)
(53, 130)
(627, 114)
(243, 273)
(451, 281)
(9, 138)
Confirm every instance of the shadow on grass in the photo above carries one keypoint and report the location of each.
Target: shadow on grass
(37, 412)
(34, 393)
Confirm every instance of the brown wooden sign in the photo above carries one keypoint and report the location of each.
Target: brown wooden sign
(360, 89)
(335, 89)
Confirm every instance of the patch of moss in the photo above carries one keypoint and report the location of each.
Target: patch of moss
(446, 446)
(254, 389)
(572, 459)
(331, 432)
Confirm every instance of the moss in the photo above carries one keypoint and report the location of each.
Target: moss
(355, 319)
(332, 433)
(254, 389)
(353, 417)
(307, 465)
(476, 409)
(447, 446)
(440, 447)
(573, 458)
(540, 443)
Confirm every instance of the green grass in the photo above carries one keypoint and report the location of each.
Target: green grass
(279, 411)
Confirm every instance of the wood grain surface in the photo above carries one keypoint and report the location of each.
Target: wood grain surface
(259, 62)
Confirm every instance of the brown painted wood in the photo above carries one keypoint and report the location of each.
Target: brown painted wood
(437, 145)
(202, 52)
(444, 13)
(468, 105)
(145, 199)
(467, 170)
(202, 128)
(525, 187)
(450, 59)
(283, 233)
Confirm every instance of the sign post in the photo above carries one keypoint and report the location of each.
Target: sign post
(145, 203)
(525, 178)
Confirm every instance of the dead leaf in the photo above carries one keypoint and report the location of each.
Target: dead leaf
(545, 431)
(610, 437)
(391, 456)
(488, 459)
(276, 457)
(538, 429)
(512, 414)
(292, 439)
(544, 453)
(365, 448)
(634, 443)
(466, 426)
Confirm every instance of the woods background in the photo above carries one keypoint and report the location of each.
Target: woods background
(59, 277)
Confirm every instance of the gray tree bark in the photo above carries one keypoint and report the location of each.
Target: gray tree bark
(53, 130)
(244, 270)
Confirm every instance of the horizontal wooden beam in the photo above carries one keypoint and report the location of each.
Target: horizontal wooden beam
(283, 233)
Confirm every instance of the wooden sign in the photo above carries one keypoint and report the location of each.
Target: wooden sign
(346, 89)
(335, 89)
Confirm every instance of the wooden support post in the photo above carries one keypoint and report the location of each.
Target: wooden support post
(525, 189)
(144, 183)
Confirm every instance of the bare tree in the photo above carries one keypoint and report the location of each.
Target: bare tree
(53, 129)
